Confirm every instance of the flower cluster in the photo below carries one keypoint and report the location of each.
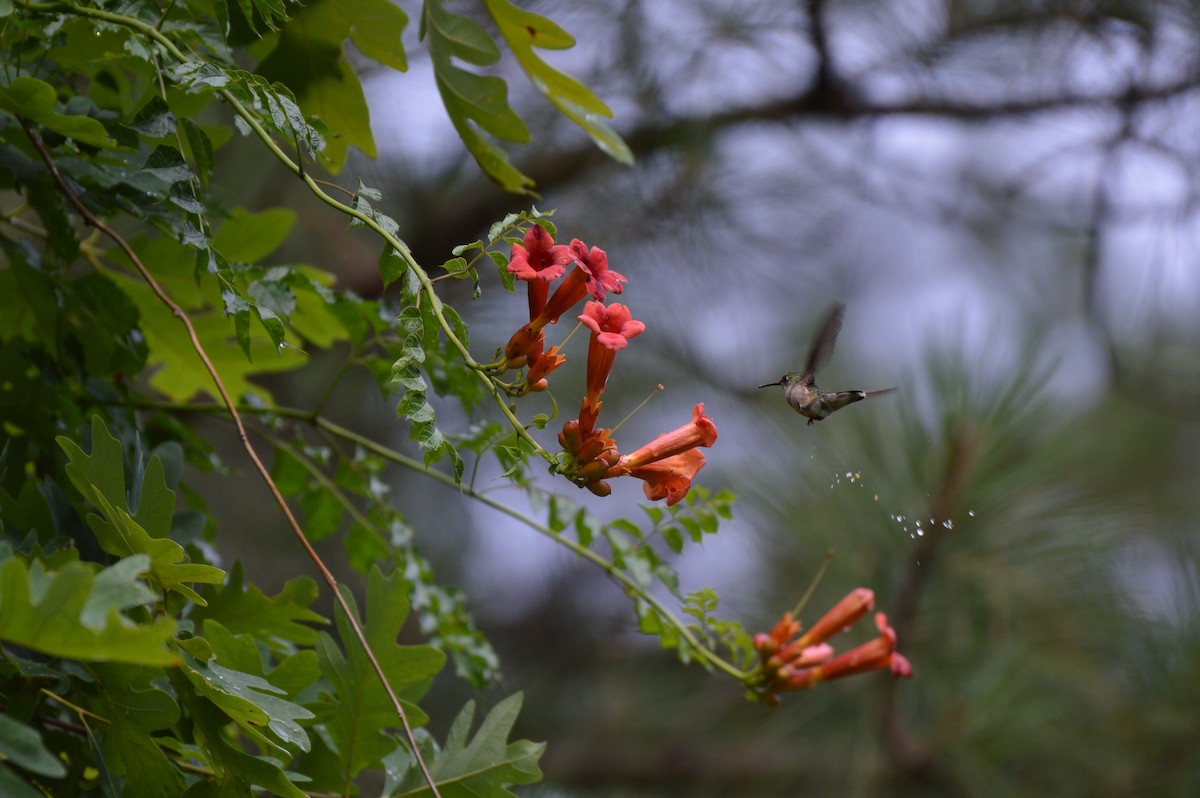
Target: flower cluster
(796, 664)
(667, 464)
(538, 263)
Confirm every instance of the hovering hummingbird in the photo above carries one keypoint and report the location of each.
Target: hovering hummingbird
(805, 397)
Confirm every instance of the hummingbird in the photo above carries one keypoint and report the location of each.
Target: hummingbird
(802, 393)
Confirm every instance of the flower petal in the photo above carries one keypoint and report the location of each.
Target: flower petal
(671, 477)
(845, 613)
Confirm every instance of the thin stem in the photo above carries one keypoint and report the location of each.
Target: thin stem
(627, 582)
(320, 476)
(812, 586)
(333, 185)
(90, 219)
(570, 335)
(629, 415)
(334, 381)
(80, 711)
(624, 579)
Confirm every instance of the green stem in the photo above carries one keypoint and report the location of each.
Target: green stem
(627, 582)
(607, 566)
(326, 483)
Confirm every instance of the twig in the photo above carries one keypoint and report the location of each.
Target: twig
(90, 219)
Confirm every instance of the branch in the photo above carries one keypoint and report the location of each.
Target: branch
(90, 219)
(826, 91)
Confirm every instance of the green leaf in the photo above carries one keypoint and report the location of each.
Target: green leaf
(22, 745)
(50, 205)
(524, 30)
(155, 502)
(248, 237)
(585, 528)
(310, 60)
(201, 149)
(167, 164)
(376, 27)
(293, 672)
(473, 99)
(289, 473)
(155, 119)
(322, 514)
(199, 75)
(271, 104)
(117, 588)
(555, 518)
(673, 537)
(456, 268)
(103, 469)
(244, 609)
(268, 12)
(359, 708)
(237, 770)
(485, 765)
(406, 373)
(135, 707)
(323, 317)
(42, 611)
(231, 675)
(13, 786)
(99, 476)
(35, 100)
(391, 265)
(180, 374)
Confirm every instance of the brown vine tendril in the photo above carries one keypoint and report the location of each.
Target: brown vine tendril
(90, 219)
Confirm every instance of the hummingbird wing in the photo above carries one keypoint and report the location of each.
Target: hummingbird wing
(822, 348)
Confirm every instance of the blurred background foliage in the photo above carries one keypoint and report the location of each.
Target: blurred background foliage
(1005, 195)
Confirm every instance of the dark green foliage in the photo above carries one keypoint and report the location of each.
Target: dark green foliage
(135, 659)
(125, 652)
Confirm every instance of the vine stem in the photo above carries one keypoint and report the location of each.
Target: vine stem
(630, 585)
(579, 550)
(90, 219)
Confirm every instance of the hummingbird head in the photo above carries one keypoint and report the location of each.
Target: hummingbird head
(785, 380)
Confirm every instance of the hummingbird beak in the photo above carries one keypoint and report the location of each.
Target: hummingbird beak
(770, 384)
